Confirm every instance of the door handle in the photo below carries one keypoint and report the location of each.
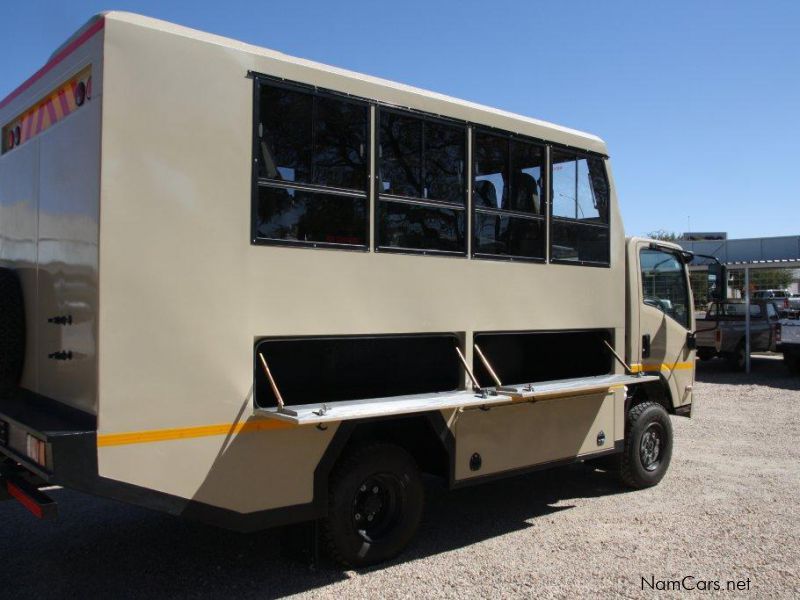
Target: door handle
(646, 345)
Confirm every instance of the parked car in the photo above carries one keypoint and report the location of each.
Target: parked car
(781, 298)
(788, 342)
(722, 331)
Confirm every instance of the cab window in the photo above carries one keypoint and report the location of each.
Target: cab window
(664, 284)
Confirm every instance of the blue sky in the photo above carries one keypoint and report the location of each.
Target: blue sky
(699, 102)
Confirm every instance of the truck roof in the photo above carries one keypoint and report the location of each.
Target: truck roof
(567, 135)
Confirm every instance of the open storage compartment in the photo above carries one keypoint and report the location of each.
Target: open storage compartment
(331, 369)
(530, 356)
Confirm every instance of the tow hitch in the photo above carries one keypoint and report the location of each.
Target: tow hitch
(13, 485)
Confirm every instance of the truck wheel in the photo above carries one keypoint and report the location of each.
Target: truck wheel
(705, 354)
(648, 446)
(792, 362)
(374, 505)
(737, 360)
(12, 328)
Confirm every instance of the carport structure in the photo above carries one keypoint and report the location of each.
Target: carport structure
(743, 255)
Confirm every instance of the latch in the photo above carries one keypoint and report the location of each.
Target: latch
(61, 355)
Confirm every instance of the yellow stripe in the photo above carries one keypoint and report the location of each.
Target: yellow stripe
(676, 366)
(182, 433)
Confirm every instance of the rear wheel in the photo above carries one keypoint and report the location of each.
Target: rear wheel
(648, 445)
(737, 359)
(374, 505)
(12, 328)
(705, 354)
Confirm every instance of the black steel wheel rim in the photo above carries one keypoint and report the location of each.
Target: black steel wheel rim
(651, 446)
(377, 506)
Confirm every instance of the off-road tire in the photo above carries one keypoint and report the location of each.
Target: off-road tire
(737, 360)
(12, 328)
(390, 466)
(643, 419)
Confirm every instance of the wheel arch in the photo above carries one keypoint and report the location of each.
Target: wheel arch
(651, 391)
(425, 436)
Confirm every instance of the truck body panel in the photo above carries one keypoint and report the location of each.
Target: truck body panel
(129, 224)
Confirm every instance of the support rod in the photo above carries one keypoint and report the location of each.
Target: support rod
(475, 383)
(619, 359)
(272, 383)
(747, 319)
(488, 366)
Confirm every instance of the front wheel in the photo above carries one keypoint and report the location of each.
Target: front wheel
(648, 446)
(374, 505)
(792, 362)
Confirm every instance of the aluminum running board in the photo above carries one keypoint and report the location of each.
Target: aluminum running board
(312, 414)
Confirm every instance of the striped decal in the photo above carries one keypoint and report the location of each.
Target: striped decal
(183, 433)
(96, 26)
(54, 107)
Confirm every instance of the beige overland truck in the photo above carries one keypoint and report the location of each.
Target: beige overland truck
(256, 290)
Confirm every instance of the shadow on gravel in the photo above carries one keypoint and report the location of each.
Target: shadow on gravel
(99, 548)
(767, 370)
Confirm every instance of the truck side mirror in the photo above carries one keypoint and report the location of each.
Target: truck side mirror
(717, 281)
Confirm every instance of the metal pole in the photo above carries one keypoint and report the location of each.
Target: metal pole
(271, 380)
(488, 366)
(747, 319)
(475, 383)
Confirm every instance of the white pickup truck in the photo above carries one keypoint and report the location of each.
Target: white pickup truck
(788, 342)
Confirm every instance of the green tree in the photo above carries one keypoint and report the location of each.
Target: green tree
(663, 235)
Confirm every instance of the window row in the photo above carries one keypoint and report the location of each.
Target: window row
(312, 179)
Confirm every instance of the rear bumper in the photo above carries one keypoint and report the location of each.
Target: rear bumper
(45, 438)
(17, 484)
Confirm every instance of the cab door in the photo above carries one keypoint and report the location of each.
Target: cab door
(666, 317)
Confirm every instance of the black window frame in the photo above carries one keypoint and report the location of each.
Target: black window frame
(502, 212)
(374, 198)
(686, 279)
(262, 182)
(551, 219)
(381, 197)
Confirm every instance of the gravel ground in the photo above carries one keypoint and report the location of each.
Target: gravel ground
(727, 510)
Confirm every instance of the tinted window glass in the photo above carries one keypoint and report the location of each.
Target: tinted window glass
(444, 162)
(340, 144)
(491, 171)
(287, 214)
(732, 311)
(527, 163)
(580, 188)
(400, 155)
(664, 284)
(417, 227)
(285, 146)
(509, 236)
(577, 242)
